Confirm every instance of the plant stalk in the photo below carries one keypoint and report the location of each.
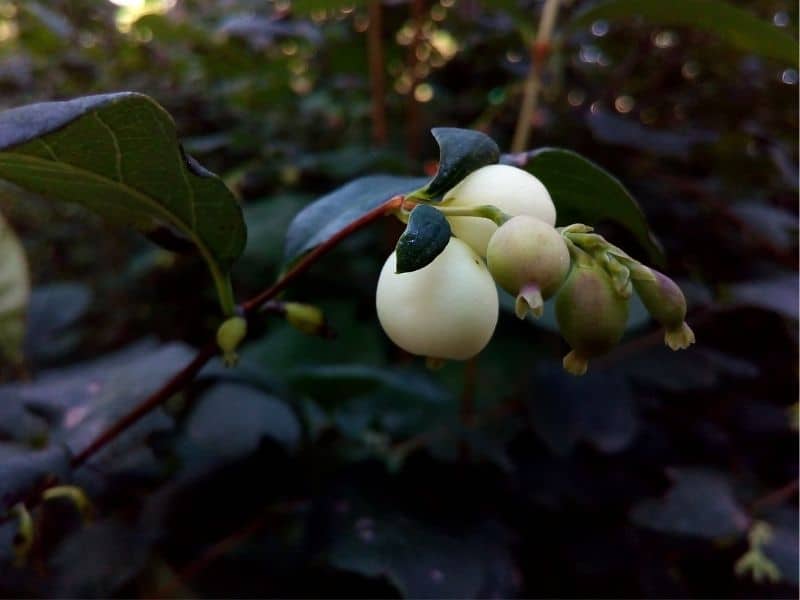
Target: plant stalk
(540, 50)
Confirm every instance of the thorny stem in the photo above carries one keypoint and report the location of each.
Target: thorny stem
(209, 350)
(540, 50)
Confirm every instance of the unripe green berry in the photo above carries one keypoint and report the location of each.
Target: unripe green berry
(512, 190)
(229, 335)
(666, 303)
(446, 310)
(590, 313)
(528, 258)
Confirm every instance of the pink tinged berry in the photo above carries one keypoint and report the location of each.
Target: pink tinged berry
(666, 303)
(528, 258)
(590, 313)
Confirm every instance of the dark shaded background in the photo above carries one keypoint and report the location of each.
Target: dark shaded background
(342, 468)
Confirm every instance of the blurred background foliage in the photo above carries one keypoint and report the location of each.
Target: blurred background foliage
(342, 468)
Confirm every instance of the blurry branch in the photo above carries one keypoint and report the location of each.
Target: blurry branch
(540, 50)
(248, 308)
(377, 76)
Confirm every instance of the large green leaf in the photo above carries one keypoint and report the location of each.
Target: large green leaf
(584, 192)
(733, 25)
(325, 217)
(14, 293)
(118, 154)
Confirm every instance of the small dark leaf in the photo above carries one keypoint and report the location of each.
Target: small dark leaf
(584, 192)
(422, 561)
(778, 294)
(325, 217)
(54, 309)
(230, 419)
(98, 559)
(597, 407)
(425, 237)
(461, 151)
(700, 504)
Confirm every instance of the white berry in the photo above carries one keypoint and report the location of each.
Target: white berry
(512, 190)
(446, 310)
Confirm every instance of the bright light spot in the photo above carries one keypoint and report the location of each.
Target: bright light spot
(444, 43)
(447, 3)
(781, 18)
(789, 77)
(576, 97)
(8, 30)
(599, 28)
(624, 104)
(131, 11)
(289, 48)
(595, 107)
(665, 39)
(423, 93)
(513, 57)
(405, 35)
(690, 69)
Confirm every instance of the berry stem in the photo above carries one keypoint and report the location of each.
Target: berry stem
(487, 211)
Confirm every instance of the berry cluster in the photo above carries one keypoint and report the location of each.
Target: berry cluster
(503, 224)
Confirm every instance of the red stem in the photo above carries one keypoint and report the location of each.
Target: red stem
(209, 350)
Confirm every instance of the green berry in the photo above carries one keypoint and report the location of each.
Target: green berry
(590, 313)
(528, 258)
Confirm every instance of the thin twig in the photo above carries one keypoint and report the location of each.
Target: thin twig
(377, 76)
(209, 350)
(540, 50)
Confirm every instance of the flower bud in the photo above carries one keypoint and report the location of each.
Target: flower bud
(445, 310)
(590, 313)
(229, 335)
(306, 318)
(514, 191)
(666, 303)
(528, 258)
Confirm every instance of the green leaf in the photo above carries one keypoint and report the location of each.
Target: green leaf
(14, 294)
(738, 27)
(325, 217)
(584, 192)
(118, 154)
(461, 151)
(426, 235)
